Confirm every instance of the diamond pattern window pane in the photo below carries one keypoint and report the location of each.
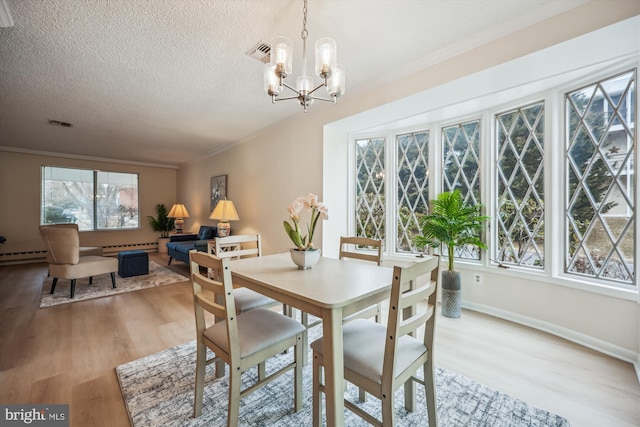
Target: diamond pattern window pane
(460, 170)
(370, 177)
(413, 186)
(600, 203)
(520, 186)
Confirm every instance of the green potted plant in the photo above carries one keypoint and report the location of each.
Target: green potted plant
(452, 222)
(162, 224)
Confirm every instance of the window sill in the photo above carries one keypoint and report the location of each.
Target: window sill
(628, 294)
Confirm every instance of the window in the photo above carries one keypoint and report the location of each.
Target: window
(520, 186)
(370, 189)
(600, 199)
(413, 186)
(460, 169)
(95, 200)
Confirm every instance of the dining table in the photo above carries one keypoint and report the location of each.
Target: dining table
(332, 290)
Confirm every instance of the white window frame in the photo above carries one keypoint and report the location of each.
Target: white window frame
(552, 94)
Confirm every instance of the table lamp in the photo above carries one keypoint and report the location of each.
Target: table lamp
(224, 212)
(178, 211)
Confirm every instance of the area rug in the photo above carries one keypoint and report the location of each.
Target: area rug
(158, 391)
(101, 287)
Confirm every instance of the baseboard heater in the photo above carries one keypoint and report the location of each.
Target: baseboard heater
(40, 255)
(129, 247)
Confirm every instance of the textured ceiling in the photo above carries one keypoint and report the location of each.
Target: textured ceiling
(167, 81)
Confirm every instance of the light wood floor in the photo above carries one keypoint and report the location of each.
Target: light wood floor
(68, 354)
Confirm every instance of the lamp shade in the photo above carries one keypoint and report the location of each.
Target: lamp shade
(225, 211)
(178, 211)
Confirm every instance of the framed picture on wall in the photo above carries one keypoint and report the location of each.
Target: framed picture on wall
(218, 189)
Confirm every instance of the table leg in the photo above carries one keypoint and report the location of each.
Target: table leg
(333, 366)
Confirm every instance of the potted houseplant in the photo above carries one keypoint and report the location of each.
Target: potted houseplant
(162, 224)
(305, 255)
(452, 222)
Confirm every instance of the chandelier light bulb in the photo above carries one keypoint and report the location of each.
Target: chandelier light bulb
(305, 84)
(281, 57)
(336, 83)
(326, 57)
(271, 81)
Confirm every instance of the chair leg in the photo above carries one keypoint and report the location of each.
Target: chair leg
(201, 363)
(113, 280)
(410, 395)
(262, 372)
(317, 397)
(233, 412)
(73, 287)
(170, 258)
(53, 285)
(388, 409)
(299, 354)
(430, 392)
(91, 280)
(304, 318)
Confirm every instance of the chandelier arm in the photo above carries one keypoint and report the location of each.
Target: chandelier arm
(333, 99)
(316, 88)
(286, 98)
(289, 87)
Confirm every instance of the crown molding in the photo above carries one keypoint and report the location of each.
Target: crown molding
(80, 157)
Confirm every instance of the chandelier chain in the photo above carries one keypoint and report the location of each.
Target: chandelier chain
(304, 32)
(304, 35)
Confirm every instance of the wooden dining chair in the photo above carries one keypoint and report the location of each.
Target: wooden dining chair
(241, 341)
(239, 246)
(361, 248)
(380, 359)
(366, 249)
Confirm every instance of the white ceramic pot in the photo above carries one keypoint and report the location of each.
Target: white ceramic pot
(305, 259)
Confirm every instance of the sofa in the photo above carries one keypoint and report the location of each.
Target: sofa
(179, 245)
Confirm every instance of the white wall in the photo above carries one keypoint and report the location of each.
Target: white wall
(308, 154)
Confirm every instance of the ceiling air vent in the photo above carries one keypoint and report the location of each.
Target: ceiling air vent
(260, 52)
(59, 123)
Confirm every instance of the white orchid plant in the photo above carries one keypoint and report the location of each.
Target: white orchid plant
(296, 209)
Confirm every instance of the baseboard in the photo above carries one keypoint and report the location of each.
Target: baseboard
(149, 247)
(585, 340)
(27, 257)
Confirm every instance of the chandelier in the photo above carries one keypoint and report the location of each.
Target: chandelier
(326, 67)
